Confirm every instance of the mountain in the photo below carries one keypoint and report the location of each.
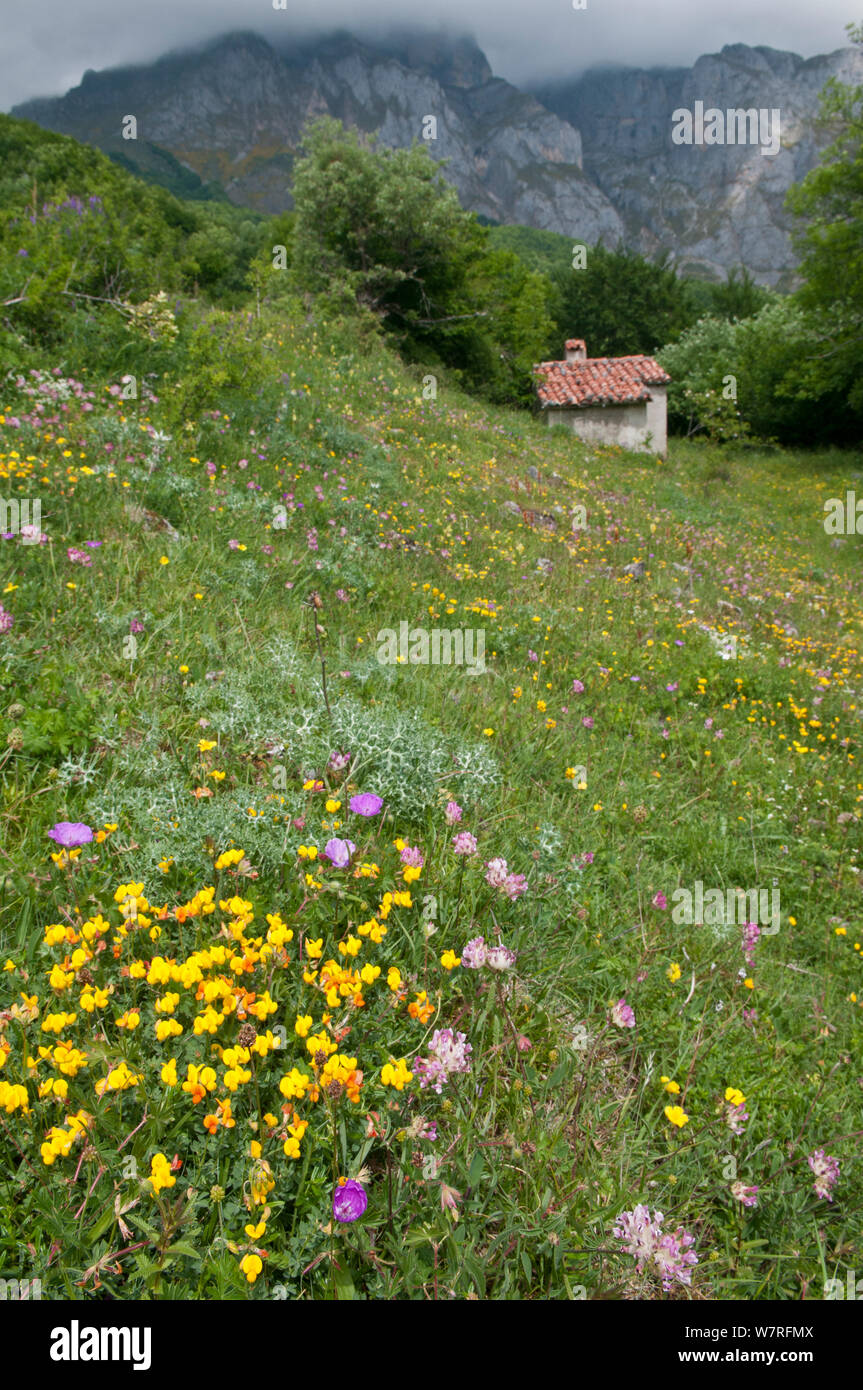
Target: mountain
(713, 206)
(233, 111)
(591, 158)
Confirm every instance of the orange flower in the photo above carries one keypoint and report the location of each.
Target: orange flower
(422, 1009)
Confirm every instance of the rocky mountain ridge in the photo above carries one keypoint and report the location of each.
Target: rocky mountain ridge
(592, 158)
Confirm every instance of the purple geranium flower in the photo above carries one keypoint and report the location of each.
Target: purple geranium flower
(366, 804)
(71, 833)
(339, 852)
(349, 1201)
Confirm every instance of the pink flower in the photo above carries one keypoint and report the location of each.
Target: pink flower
(587, 722)
(366, 804)
(498, 957)
(497, 872)
(71, 834)
(474, 954)
(412, 856)
(751, 933)
(747, 1195)
(349, 1201)
(659, 900)
(79, 557)
(449, 1199)
(515, 886)
(339, 852)
(736, 1117)
(668, 1255)
(464, 843)
(577, 688)
(623, 1014)
(449, 1054)
(6, 620)
(453, 813)
(826, 1170)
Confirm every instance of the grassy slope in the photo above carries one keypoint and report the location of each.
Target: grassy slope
(415, 491)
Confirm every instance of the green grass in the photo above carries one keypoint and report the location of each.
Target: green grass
(544, 1146)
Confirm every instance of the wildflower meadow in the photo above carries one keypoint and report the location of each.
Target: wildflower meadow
(331, 971)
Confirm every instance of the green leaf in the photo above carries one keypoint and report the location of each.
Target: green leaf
(182, 1247)
(101, 1225)
(345, 1288)
(477, 1168)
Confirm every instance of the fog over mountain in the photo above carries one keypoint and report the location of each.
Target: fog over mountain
(590, 157)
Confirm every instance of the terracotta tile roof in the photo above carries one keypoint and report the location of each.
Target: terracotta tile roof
(598, 381)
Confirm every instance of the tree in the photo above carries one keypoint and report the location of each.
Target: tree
(738, 297)
(381, 230)
(620, 303)
(383, 223)
(831, 244)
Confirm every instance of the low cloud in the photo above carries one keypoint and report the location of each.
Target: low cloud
(49, 45)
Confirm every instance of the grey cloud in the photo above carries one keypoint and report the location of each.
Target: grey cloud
(49, 45)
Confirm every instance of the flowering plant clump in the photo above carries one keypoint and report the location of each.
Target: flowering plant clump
(826, 1171)
(448, 1055)
(242, 1023)
(666, 1255)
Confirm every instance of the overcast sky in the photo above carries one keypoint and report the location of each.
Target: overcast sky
(48, 44)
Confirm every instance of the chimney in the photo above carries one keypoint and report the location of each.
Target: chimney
(575, 350)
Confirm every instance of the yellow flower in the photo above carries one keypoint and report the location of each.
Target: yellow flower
(673, 972)
(488, 733)
(670, 1086)
(315, 949)
(168, 1028)
(302, 1025)
(396, 1074)
(169, 1073)
(160, 1173)
(733, 1096)
(295, 1084)
(251, 1265)
(675, 1116)
(205, 744)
